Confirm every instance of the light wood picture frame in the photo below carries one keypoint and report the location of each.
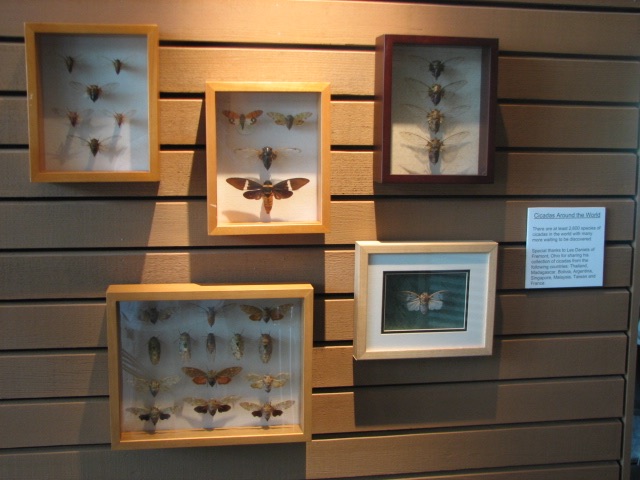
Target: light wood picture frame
(93, 102)
(198, 365)
(435, 106)
(424, 299)
(268, 157)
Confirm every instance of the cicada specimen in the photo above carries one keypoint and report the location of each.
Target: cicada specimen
(267, 382)
(153, 414)
(69, 62)
(267, 313)
(265, 347)
(212, 405)
(212, 377)
(95, 145)
(73, 116)
(289, 120)
(267, 410)
(437, 67)
(213, 312)
(242, 120)
(267, 191)
(237, 345)
(435, 117)
(93, 90)
(267, 154)
(435, 91)
(152, 314)
(211, 346)
(154, 349)
(120, 117)
(154, 386)
(434, 145)
(424, 301)
(184, 346)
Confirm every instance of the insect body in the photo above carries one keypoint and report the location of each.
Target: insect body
(267, 191)
(154, 386)
(73, 116)
(435, 145)
(95, 145)
(423, 301)
(289, 120)
(93, 90)
(436, 91)
(267, 410)
(265, 347)
(212, 405)
(267, 382)
(201, 377)
(267, 313)
(184, 346)
(213, 312)
(268, 154)
(211, 345)
(237, 345)
(153, 346)
(242, 120)
(153, 414)
(437, 67)
(69, 62)
(118, 64)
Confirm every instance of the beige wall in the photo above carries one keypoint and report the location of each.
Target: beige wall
(551, 402)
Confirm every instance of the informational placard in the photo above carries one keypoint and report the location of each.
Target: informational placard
(565, 247)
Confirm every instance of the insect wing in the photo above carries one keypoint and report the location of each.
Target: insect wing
(254, 408)
(279, 312)
(279, 407)
(225, 376)
(280, 119)
(412, 300)
(252, 187)
(436, 300)
(255, 314)
(285, 188)
(199, 377)
(233, 117)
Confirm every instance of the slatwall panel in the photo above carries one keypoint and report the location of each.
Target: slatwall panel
(551, 402)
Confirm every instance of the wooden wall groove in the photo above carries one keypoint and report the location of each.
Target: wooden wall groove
(551, 402)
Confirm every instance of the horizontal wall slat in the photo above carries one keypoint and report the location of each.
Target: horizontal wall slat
(184, 174)
(351, 23)
(181, 122)
(352, 72)
(86, 422)
(432, 452)
(142, 223)
(596, 354)
(65, 325)
(85, 374)
(28, 275)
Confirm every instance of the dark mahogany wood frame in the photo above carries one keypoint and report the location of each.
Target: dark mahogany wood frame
(383, 107)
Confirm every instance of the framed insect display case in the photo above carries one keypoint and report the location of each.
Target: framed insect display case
(268, 155)
(435, 102)
(93, 100)
(424, 299)
(197, 365)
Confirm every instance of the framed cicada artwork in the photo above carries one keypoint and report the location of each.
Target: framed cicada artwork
(268, 157)
(196, 365)
(435, 109)
(424, 299)
(93, 102)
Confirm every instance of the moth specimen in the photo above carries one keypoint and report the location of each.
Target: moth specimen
(153, 385)
(437, 67)
(434, 145)
(265, 347)
(267, 382)
(268, 154)
(436, 92)
(267, 191)
(289, 120)
(153, 347)
(242, 120)
(267, 313)
(95, 145)
(184, 346)
(424, 301)
(212, 405)
(213, 312)
(153, 414)
(93, 90)
(152, 314)
(267, 410)
(201, 377)
(237, 345)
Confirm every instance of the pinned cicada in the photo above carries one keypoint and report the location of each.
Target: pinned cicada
(154, 386)
(435, 91)
(437, 67)
(289, 121)
(184, 346)
(267, 410)
(212, 405)
(267, 382)
(153, 414)
(435, 118)
(96, 145)
(265, 347)
(93, 90)
(434, 145)
(424, 301)
(267, 154)
(214, 311)
(212, 377)
(266, 314)
(237, 345)
(267, 191)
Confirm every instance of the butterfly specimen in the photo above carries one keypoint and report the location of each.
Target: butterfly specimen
(424, 301)
(153, 385)
(212, 405)
(242, 120)
(434, 145)
(267, 191)
(267, 382)
(268, 154)
(267, 313)
(93, 91)
(153, 414)
(201, 377)
(267, 410)
(289, 120)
